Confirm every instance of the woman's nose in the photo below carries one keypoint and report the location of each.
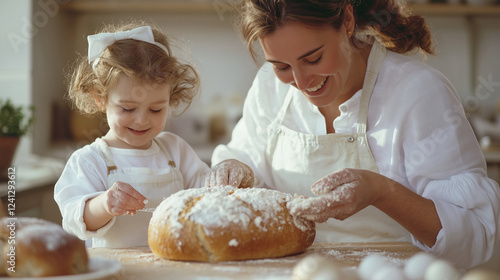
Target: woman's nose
(302, 79)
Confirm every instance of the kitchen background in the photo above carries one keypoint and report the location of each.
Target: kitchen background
(40, 38)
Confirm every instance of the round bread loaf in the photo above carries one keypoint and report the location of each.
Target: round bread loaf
(227, 224)
(42, 248)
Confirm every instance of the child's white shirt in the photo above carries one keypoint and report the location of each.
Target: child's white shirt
(86, 176)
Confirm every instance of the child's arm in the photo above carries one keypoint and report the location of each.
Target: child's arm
(120, 199)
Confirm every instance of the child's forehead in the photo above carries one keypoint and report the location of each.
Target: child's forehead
(128, 83)
(136, 90)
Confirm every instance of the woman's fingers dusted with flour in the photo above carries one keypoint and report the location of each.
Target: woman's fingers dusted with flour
(123, 199)
(320, 209)
(230, 172)
(340, 195)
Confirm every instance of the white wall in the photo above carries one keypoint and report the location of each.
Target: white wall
(487, 65)
(468, 53)
(52, 49)
(15, 57)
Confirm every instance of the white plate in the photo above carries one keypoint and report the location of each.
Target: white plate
(98, 268)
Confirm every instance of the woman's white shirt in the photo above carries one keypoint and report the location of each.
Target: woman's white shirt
(419, 136)
(85, 176)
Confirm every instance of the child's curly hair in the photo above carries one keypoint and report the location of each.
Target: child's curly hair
(134, 59)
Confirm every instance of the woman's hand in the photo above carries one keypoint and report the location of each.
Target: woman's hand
(340, 195)
(120, 199)
(346, 192)
(230, 172)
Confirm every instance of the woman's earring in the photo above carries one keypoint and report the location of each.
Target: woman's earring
(349, 33)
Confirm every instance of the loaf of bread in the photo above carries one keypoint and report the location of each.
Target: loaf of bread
(42, 248)
(227, 224)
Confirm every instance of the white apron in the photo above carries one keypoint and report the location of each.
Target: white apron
(154, 184)
(298, 160)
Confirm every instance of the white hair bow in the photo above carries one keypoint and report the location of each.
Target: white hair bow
(99, 42)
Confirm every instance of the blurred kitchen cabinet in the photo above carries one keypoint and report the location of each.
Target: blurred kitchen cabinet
(492, 156)
(36, 202)
(31, 192)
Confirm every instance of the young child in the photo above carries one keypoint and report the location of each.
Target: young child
(131, 75)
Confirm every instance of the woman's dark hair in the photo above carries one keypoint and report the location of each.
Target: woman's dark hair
(387, 20)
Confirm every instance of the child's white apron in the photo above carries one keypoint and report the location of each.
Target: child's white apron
(298, 160)
(154, 184)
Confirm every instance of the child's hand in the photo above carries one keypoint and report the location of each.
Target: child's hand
(120, 199)
(123, 199)
(230, 172)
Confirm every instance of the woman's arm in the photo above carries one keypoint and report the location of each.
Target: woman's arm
(348, 191)
(414, 212)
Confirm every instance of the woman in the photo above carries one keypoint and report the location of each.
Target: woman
(376, 144)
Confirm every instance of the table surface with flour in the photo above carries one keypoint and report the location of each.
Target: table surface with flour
(142, 264)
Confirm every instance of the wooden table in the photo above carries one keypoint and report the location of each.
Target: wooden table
(141, 264)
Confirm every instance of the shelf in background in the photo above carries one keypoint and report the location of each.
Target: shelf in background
(86, 6)
(455, 10)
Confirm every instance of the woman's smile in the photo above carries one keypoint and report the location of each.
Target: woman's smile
(317, 90)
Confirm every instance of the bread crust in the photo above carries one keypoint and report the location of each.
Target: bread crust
(227, 224)
(42, 248)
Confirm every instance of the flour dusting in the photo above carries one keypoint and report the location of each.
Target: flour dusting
(220, 207)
